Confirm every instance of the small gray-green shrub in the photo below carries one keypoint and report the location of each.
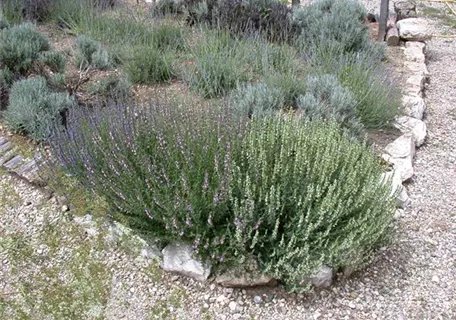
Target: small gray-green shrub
(33, 109)
(327, 99)
(289, 84)
(216, 66)
(371, 84)
(20, 46)
(256, 100)
(375, 90)
(333, 25)
(149, 65)
(56, 61)
(269, 18)
(90, 53)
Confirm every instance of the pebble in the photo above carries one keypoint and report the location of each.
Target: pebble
(435, 279)
(257, 299)
(232, 305)
(65, 208)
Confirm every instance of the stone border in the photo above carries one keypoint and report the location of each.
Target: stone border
(400, 153)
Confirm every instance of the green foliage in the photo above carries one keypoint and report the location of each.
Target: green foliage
(20, 46)
(111, 87)
(90, 53)
(33, 109)
(336, 26)
(326, 99)
(56, 61)
(269, 18)
(289, 84)
(216, 66)
(3, 22)
(6, 77)
(167, 7)
(11, 10)
(57, 81)
(304, 195)
(168, 38)
(182, 154)
(256, 100)
(370, 83)
(375, 90)
(290, 194)
(265, 58)
(149, 65)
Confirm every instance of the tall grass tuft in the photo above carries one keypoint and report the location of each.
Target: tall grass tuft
(149, 65)
(216, 66)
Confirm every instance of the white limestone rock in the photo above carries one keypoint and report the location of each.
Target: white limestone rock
(401, 152)
(414, 29)
(414, 106)
(178, 258)
(413, 126)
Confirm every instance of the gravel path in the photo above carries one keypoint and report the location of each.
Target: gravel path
(54, 268)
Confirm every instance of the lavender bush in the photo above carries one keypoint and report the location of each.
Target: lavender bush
(165, 170)
(288, 193)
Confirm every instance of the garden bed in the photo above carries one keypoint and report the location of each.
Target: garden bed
(229, 106)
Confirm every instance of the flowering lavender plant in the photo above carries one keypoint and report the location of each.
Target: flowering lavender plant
(166, 169)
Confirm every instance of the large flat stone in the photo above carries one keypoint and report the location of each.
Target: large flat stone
(7, 146)
(245, 280)
(414, 29)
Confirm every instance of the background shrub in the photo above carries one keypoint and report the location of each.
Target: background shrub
(167, 37)
(326, 99)
(289, 85)
(20, 46)
(256, 100)
(56, 61)
(336, 26)
(33, 109)
(371, 84)
(149, 65)
(216, 66)
(38, 10)
(57, 81)
(90, 53)
(269, 18)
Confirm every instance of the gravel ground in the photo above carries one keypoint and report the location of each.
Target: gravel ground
(53, 268)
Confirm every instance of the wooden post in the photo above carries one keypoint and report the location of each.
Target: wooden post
(384, 9)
